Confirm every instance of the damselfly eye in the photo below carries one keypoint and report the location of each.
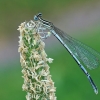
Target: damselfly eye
(36, 18)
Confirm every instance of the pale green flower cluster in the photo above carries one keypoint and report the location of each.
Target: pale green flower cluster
(37, 79)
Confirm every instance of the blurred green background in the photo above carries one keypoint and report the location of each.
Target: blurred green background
(79, 18)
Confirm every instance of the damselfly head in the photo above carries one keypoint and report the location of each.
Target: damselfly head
(36, 17)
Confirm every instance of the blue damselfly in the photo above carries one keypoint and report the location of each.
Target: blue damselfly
(82, 54)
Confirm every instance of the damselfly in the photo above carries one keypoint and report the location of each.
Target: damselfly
(82, 54)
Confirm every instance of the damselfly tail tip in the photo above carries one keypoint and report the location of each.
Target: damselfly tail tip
(96, 91)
